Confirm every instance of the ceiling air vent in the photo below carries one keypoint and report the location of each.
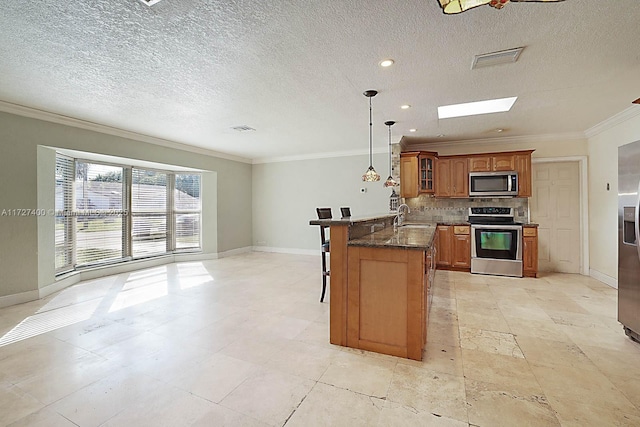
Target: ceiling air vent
(149, 2)
(243, 128)
(496, 58)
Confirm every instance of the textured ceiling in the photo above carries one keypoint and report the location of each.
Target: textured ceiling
(189, 71)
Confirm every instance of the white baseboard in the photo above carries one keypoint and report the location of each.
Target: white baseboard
(606, 279)
(233, 252)
(60, 284)
(195, 257)
(20, 298)
(294, 251)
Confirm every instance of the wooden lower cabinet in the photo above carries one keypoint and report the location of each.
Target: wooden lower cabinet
(387, 300)
(529, 251)
(461, 253)
(443, 253)
(454, 247)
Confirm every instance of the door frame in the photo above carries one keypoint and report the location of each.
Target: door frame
(584, 205)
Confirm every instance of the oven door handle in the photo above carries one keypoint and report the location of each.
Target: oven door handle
(496, 226)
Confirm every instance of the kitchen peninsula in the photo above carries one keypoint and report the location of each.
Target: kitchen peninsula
(380, 284)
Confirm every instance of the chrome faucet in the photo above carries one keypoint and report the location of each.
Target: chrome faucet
(399, 219)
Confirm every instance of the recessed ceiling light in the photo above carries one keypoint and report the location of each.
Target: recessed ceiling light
(149, 2)
(441, 135)
(405, 106)
(243, 128)
(386, 63)
(499, 130)
(474, 108)
(412, 130)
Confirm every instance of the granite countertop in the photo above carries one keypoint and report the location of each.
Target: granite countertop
(351, 219)
(405, 237)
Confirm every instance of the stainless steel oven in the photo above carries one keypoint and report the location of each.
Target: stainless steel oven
(496, 242)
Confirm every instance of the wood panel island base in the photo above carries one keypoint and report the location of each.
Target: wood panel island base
(380, 285)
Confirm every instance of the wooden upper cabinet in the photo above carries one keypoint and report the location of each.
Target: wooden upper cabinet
(443, 177)
(417, 173)
(409, 174)
(448, 176)
(480, 164)
(459, 177)
(426, 170)
(503, 162)
(492, 163)
(452, 177)
(523, 167)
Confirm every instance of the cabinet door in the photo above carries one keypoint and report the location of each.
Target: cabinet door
(443, 178)
(425, 172)
(459, 177)
(480, 164)
(409, 176)
(523, 167)
(530, 252)
(503, 162)
(461, 253)
(443, 253)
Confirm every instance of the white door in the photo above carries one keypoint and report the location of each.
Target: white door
(555, 206)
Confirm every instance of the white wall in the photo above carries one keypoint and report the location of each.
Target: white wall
(603, 144)
(286, 195)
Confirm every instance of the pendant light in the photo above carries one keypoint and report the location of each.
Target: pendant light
(390, 182)
(370, 175)
(457, 6)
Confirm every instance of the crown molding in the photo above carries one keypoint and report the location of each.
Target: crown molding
(559, 137)
(623, 116)
(34, 113)
(316, 156)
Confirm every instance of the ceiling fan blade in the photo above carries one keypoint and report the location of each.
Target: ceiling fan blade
(637, 101)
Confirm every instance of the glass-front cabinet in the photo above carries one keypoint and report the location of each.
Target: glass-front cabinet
(425, 173)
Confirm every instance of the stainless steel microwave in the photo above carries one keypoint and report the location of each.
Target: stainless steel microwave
(493, 184)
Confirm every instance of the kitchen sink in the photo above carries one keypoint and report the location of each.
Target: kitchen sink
(416, 226)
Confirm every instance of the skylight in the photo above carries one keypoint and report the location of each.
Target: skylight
(475, 108)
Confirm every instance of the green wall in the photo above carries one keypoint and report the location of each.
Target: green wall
(20, 159)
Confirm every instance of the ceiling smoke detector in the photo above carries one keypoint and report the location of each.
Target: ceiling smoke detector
(496, 58)
(243, 128)
(149, 2)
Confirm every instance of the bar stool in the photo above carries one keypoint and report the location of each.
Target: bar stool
(324, 213)
(345, 212)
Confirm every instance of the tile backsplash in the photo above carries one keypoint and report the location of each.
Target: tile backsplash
(431, 209)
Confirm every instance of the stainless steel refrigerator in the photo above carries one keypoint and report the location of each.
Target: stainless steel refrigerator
(629, 238)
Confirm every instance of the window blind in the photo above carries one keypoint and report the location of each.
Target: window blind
(99, 214)
(187, 211)
(149, 212)
(110, 213)
(63, 214)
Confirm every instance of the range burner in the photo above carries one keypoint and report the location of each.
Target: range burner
(491, 215)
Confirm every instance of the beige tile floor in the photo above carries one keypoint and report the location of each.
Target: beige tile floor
(243, 341)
